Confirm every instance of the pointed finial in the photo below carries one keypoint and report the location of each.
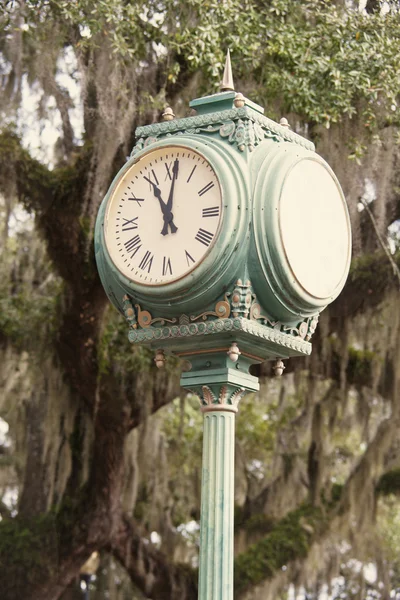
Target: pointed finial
(227, 79)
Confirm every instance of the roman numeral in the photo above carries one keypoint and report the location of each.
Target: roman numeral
(133, 245)
(172, 171)
(206, 188)
(134, 199)
(211, 212)
(189, 258)
(166, 266)
(146, 262)
(168, 167)
(127, 222)
(191, 173)
(204, 237)
(152, 179)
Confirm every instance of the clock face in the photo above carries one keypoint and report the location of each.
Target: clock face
(163, 216)
(315, 228)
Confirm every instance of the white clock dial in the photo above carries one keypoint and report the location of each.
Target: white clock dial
(315, 228)
(164, 216)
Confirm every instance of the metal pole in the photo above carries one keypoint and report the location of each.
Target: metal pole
(217, 504)
(220, 381)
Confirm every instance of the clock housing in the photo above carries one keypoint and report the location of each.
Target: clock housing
(301, 250)
(210, 210)
(164, 216)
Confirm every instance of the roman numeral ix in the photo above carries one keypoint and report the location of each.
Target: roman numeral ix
(204, 237)
(211, 212)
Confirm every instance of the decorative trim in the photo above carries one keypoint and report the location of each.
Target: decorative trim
(143, 318)
(215, 350)
(150, 334)
(242, 133)
(241, 299)
(222, 311)
(243, 304)
(242, 126)
(129, 311)
(305, 329)
(228, 397)
(255, 315)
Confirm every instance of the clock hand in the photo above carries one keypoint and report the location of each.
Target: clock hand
(168, 216)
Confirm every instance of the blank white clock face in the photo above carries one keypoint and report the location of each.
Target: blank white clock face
(315, 228)
(163, 216)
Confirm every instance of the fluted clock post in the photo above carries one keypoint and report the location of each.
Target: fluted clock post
(220, 381)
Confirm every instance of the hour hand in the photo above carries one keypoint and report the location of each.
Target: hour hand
(166, 211)
(156, 190)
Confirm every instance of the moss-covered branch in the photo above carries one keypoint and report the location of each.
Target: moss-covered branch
(291, 538)
(19, 172)
(150, 569)
(389, 483)
(56, 198)
(370, 278)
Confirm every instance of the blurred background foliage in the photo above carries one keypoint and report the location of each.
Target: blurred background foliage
(88, 427)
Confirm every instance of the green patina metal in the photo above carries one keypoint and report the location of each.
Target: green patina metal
(226, 383)
(241, 144)
(241, 305)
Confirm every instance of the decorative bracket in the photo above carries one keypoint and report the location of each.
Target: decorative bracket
(226, 398)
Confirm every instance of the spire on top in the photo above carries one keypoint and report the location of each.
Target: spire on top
(227, 79)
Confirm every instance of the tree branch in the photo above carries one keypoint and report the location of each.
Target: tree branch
(395, 268)
(149, 569)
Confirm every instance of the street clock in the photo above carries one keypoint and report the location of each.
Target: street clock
(164, 216)
(221, 240)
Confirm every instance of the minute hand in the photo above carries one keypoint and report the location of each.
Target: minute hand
(168, 216)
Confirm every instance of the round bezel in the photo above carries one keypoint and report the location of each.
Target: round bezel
(298, 268)
(133, 223)
(221, 262)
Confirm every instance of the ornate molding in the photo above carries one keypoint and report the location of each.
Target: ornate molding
(241, 126)
(222, 311)
(238, 324)
(305, 329)
(129, 311)
(241, 299)
(226, 397)
(145, 318)
(140, 317)
(241, 305)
